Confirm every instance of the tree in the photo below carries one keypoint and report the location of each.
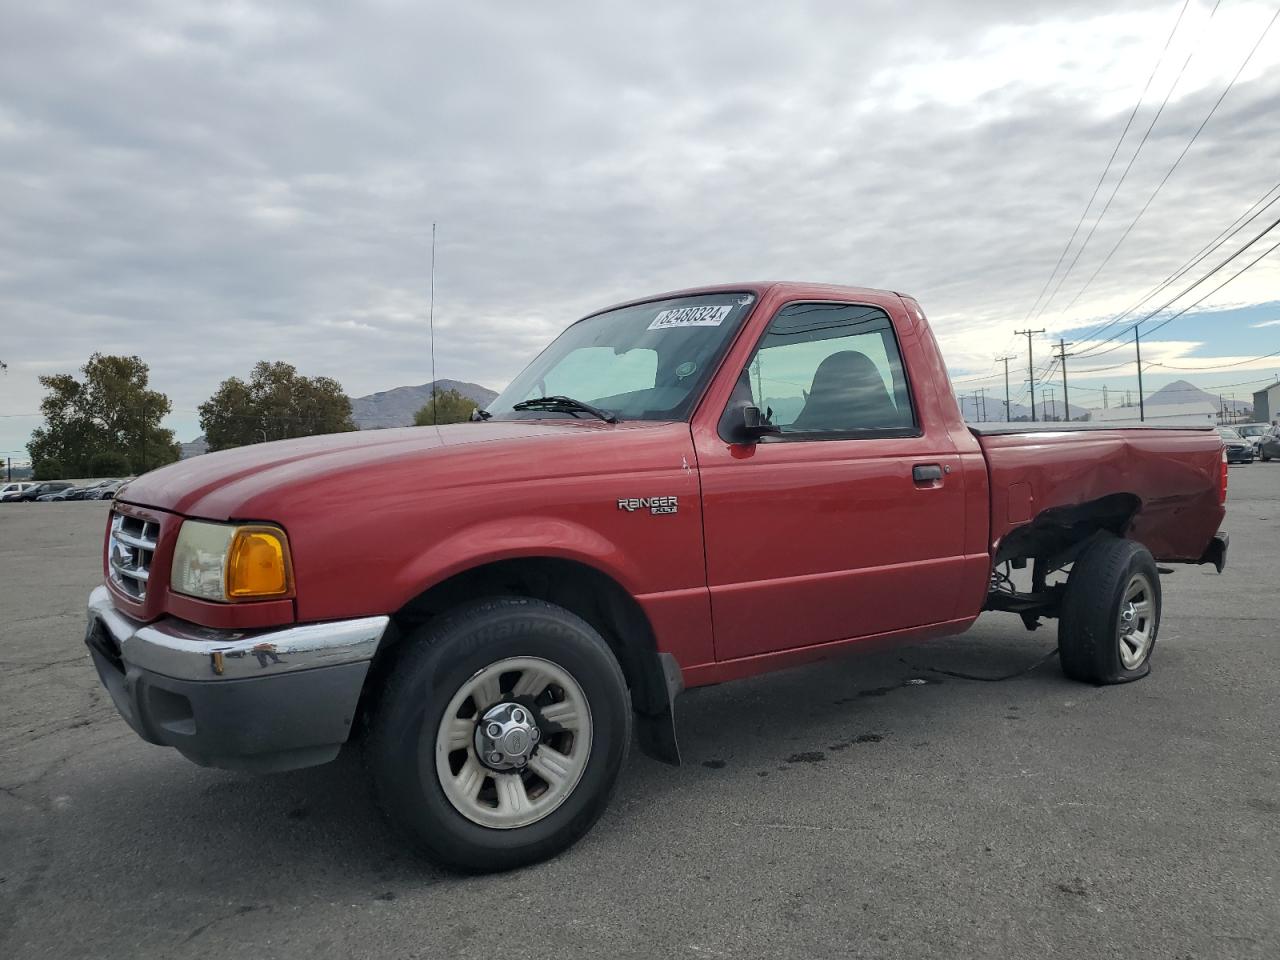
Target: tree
(109, 463)
(46, 470)
(276, 404)
(111, 410)
(447, 406)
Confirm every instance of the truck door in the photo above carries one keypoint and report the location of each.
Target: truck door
(849, 522)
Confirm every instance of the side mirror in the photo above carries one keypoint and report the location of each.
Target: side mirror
(755, 425)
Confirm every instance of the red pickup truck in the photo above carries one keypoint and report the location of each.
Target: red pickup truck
(679, 491)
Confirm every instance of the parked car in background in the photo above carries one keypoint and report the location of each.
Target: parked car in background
(15, 488)
(67, 493)
(1252, 432)
(37, 490)
(88, 491)
(1269, 445)
(106, 490)
(1239, 450)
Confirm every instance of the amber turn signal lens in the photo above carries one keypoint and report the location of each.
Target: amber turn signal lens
(258, 565)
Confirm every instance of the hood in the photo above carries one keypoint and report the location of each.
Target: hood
(261, 481)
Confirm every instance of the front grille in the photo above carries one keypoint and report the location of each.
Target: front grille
(129, 553)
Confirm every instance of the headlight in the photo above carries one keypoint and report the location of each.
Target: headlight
(223, 561)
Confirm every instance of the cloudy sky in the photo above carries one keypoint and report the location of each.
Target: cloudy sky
(208, 185)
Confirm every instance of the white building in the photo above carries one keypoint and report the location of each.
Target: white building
(1196, 414)
(1266, 403)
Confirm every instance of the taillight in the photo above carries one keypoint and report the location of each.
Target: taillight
(1222, 482)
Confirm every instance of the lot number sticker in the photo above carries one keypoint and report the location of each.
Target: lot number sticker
(705, 316)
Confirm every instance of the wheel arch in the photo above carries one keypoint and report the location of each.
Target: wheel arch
(653, 678)
(1060, 529)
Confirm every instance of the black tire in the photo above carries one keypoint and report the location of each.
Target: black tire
(1089, 631)
(432, 666)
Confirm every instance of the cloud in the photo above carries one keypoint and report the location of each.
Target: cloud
(1265, 323)
(210, 186)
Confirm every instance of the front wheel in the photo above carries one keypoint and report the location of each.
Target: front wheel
(500, 735)
(1110, 614)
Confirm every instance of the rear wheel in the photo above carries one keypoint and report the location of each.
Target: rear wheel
(500, 735)
(1111, 613)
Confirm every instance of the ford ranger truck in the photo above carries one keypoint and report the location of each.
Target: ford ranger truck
(678, 491)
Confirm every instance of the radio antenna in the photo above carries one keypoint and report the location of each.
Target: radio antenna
(431, 326)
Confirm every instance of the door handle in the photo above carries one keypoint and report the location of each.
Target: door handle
(926, 473)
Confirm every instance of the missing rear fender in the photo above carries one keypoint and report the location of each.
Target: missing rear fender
(1061, 530)
(1043, 599)
(1053, 541)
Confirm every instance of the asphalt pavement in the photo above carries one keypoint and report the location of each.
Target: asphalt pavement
(866, 807)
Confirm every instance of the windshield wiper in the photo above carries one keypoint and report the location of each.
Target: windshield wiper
(560, 404)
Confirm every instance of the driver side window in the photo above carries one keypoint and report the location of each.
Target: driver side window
(824, 370)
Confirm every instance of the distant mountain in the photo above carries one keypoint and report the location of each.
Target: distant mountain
(193, 449)
(396, 407)
(1180, 391)
(973, 410)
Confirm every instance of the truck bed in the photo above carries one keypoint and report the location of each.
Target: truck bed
(1163, 481)
(1001, 429)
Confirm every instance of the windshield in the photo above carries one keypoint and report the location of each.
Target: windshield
(1228, 434)
(648, 361)
(1253, 430)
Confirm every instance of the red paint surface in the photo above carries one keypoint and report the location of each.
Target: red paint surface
(780, 552)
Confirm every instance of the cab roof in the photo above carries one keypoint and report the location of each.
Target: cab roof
(792, 288)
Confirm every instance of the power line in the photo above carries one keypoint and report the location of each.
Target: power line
(1062, 358)
(1008, 416)
(1168, 320)
(1110, 160)
(1137, 346)
(1242, 383)
(1217, 366)
(1031, 367)
(1094, 351)
(978, 379)
(1129, 166)
(1169, 173)
(1114, 366)
(1151, 364)
(1226, 234)
(431, 327)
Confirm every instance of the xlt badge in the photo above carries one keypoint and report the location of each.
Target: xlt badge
(655, 505)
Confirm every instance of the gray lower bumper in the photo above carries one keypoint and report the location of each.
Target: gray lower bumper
(265, 700)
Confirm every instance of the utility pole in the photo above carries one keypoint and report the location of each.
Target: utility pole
(1052, 404)
(983, 392)
(143, 467)
(1104, 396)
(1031, 368)
(1137, 345)
(1008, 418)
(1062, 358)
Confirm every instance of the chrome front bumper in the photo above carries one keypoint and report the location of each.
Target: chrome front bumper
(250, 700)
(186, 651)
